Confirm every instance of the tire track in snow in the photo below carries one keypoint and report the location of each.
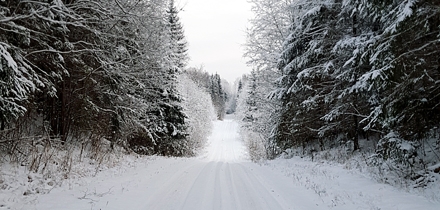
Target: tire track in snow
(170, 188)
(257, 196)
(199, 186)
(231, 191)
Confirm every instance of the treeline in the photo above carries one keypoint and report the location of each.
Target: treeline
(328, 72)
(89, 72)
(215, 86)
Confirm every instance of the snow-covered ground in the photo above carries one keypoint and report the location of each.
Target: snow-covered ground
(221, 177)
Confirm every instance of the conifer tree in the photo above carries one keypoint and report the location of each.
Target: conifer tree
(305, 63)
(178, 43)
(170, 128)
(218, 96)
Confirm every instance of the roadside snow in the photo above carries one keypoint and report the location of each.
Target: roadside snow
(340, 188)
(222, 177)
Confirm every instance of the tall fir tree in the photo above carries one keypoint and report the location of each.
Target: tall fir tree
(218, 96)
(305, 64)
(178, 44)
(171, 131)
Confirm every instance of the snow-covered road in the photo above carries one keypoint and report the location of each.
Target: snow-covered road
(222, 177)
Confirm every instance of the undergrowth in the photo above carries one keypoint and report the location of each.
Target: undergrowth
(413, 168)
(38, 165)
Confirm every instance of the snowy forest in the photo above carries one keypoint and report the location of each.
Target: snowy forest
(361, 75)
(100, 74)
(355, 82)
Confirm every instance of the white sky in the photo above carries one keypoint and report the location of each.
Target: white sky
(215, 30)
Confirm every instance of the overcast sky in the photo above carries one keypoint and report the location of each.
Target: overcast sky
(215, 30)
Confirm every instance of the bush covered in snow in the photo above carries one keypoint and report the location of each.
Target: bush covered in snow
(198, 108)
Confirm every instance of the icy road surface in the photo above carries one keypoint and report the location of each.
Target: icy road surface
(222, 177)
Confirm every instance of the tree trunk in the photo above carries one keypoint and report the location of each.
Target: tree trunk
(356, 133)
